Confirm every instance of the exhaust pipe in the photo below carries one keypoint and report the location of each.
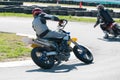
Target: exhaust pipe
(41, 42)
(44, 43)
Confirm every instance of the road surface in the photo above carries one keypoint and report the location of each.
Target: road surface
(106, 65)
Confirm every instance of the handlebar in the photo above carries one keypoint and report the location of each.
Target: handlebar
(62, 23)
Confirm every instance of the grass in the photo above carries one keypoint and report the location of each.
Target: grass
(79, 19)
(69, 17)
(11, 46)
(83, 19)
(6, 14)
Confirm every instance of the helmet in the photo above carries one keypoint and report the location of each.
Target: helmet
(36, 11)
(100, 6)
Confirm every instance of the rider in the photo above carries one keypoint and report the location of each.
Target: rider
(103, 17)
(40, 27)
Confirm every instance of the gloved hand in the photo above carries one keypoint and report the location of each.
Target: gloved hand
(95, 26)
(60, 22)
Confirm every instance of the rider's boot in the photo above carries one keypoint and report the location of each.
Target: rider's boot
(115, 35)
(115, 32)
(106, 35)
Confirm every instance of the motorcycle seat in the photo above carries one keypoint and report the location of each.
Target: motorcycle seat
(55, 39)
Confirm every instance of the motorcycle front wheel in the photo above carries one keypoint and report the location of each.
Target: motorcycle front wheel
(39, 58)
(83, 54)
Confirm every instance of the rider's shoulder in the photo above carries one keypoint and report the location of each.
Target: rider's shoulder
(41, 15)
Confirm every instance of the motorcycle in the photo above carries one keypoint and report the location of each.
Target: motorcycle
(113, 30)
(47, 52)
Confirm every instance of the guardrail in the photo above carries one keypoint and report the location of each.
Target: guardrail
(11, 3)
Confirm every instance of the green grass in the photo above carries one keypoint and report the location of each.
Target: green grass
(70, 18)
(79, 19)
(15, 15)
(11, 46)
(83, 19)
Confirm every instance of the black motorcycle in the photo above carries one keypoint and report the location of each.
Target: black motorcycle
(112, 30)
(47, 52)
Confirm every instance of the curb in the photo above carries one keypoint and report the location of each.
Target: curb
(17, 63)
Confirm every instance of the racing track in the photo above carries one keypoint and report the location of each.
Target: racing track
(106, 55)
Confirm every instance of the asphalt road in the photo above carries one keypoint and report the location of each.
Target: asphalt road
(106, 55)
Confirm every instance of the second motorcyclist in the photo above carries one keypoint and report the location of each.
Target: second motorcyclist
(105, 20)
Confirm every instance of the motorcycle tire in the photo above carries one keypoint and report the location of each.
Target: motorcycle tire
(45, 62)
(83, 54)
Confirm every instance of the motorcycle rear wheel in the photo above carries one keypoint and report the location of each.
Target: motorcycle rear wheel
(38, 57)
(83, 54)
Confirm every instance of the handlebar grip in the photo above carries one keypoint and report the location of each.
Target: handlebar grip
(64, 21)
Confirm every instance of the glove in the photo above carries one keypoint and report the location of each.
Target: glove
(60, 22)
(95, 26)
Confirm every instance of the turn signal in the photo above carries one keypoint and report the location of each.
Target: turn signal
(34, 45)
(74, 39)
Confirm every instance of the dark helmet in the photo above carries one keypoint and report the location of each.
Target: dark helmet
(100, 7)
(36, 11)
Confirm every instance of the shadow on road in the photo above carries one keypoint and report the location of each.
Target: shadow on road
(59, 69)
(110, 39)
